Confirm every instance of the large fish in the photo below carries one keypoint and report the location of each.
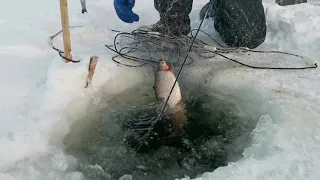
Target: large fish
(164, 81)
(163, 84)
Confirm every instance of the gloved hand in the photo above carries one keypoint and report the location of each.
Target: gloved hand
(124, 10)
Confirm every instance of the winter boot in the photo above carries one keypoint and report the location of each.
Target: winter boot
(172, 27)
(174, 17)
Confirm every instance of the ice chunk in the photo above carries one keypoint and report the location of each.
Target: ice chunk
(74, 176)
(261, 135)
(94, 172)
(59, 162)
(126, 177)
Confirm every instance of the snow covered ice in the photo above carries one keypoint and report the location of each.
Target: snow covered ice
(42, 96)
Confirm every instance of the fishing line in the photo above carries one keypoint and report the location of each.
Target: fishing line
(259, 67)
(135, 58)
(200, 48)
(60, 52)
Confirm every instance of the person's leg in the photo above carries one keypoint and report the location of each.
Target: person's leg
(204, 9)
(174, 16)
(241, 23)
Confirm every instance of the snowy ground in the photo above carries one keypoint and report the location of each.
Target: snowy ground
(41, 94)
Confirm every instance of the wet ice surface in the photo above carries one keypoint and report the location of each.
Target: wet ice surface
(217, 132)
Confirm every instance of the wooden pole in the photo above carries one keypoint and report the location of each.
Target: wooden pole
(290, 2)
(65, 29)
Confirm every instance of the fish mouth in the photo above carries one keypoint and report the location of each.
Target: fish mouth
(161, 62)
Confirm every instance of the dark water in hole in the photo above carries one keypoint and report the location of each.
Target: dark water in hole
(214, 136)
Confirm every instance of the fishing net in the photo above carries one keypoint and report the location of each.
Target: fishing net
(143, 48)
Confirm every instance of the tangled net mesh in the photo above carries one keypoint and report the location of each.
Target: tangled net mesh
(141, 48)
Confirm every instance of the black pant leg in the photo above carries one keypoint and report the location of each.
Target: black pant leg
(174, 15)
(240, 22)
(173, 8)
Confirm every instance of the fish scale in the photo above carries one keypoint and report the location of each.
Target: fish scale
(163, 84)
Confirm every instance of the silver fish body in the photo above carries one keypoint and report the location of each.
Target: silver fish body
(163, 84)
(164, 81)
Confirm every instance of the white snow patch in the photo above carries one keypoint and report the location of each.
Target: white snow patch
(22, 51)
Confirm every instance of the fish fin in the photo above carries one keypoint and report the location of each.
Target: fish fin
(170, 68)
(160, 99)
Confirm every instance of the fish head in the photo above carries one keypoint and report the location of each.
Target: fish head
(162, 66)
